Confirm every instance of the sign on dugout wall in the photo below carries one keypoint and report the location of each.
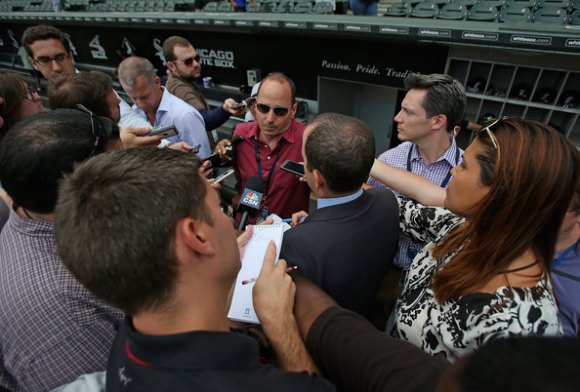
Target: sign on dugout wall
(227, 56)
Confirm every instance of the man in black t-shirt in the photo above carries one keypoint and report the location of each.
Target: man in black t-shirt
(144, 231)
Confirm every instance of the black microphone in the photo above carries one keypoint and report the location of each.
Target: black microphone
(251, 199)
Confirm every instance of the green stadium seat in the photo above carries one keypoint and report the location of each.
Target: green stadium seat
(531, 4)
(467, 3)
(398, 9)
(211, 6)
(425, 10)
(495, 3)
(284, 6)
(575, 18)
(551, 15)
(515, 14)
(301, 7)
(453, 11)
(482, 13)
(322, 8)
(554, 3)
(267, 6)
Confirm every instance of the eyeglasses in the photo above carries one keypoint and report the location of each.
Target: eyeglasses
(29, 93)
(487, 130)
(278, 110)
(46, 60)
(97, 130)
(189, 61)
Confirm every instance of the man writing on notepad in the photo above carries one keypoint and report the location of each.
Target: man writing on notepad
(179, 268)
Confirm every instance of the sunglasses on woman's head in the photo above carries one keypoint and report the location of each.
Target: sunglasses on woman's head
(487, 130)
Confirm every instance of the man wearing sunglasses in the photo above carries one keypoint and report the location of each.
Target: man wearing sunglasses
(184, 70)
(274, 137)
(50, 53)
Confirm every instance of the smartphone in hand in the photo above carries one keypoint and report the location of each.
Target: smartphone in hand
(166, 131)
(238, 105)
(223, 176)
(293, 167)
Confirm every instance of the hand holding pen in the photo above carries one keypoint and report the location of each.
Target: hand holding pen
(252, 280)
(273, 291)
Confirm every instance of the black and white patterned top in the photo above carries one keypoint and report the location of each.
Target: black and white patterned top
(460, 326)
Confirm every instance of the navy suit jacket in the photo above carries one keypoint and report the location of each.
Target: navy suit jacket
(346, 249)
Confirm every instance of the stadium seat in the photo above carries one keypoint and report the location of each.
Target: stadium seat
(531, 4)
(398, 9)
(495, 3)
(267, 6)
(252, 6)
(453, 11)
(425, 10)
(575, 18)
(322, 8)
(554, 3)
(301, 7)
(210, 7)
(515, 14)
(225, 6)
(284, 6)
(467, 3)
(551, 15)
(482, 13)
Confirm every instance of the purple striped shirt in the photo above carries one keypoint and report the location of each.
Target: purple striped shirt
(436, 172)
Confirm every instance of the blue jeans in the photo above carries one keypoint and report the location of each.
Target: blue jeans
(360, 8)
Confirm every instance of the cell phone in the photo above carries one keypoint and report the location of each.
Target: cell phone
(238, 105)
(214, 160)
(196, 149)
(293, 167)
(166, 131)
(224, 175)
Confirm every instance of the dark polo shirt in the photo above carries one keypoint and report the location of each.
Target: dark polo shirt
(197, 361)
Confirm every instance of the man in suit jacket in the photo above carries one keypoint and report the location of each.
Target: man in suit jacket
(347, 245)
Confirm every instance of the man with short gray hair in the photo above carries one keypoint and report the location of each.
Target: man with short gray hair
(159, 107)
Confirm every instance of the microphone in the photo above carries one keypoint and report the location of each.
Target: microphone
(251, 199)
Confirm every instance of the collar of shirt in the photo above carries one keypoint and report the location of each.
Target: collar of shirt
(448, 155)
(31, 227)
(333, 201)
(193, 350)
(289, 135)
(164, 107)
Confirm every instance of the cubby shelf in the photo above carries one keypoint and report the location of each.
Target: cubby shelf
(538, 93)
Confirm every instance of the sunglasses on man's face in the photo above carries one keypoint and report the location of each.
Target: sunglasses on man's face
(278, 110)
(189, 61)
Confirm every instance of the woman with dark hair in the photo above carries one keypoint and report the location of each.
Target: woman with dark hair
(485, 272)
(19, 100)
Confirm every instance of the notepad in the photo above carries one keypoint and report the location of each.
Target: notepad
(242, 307)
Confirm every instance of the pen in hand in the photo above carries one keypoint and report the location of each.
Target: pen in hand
(288, 220)
(289, 269)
